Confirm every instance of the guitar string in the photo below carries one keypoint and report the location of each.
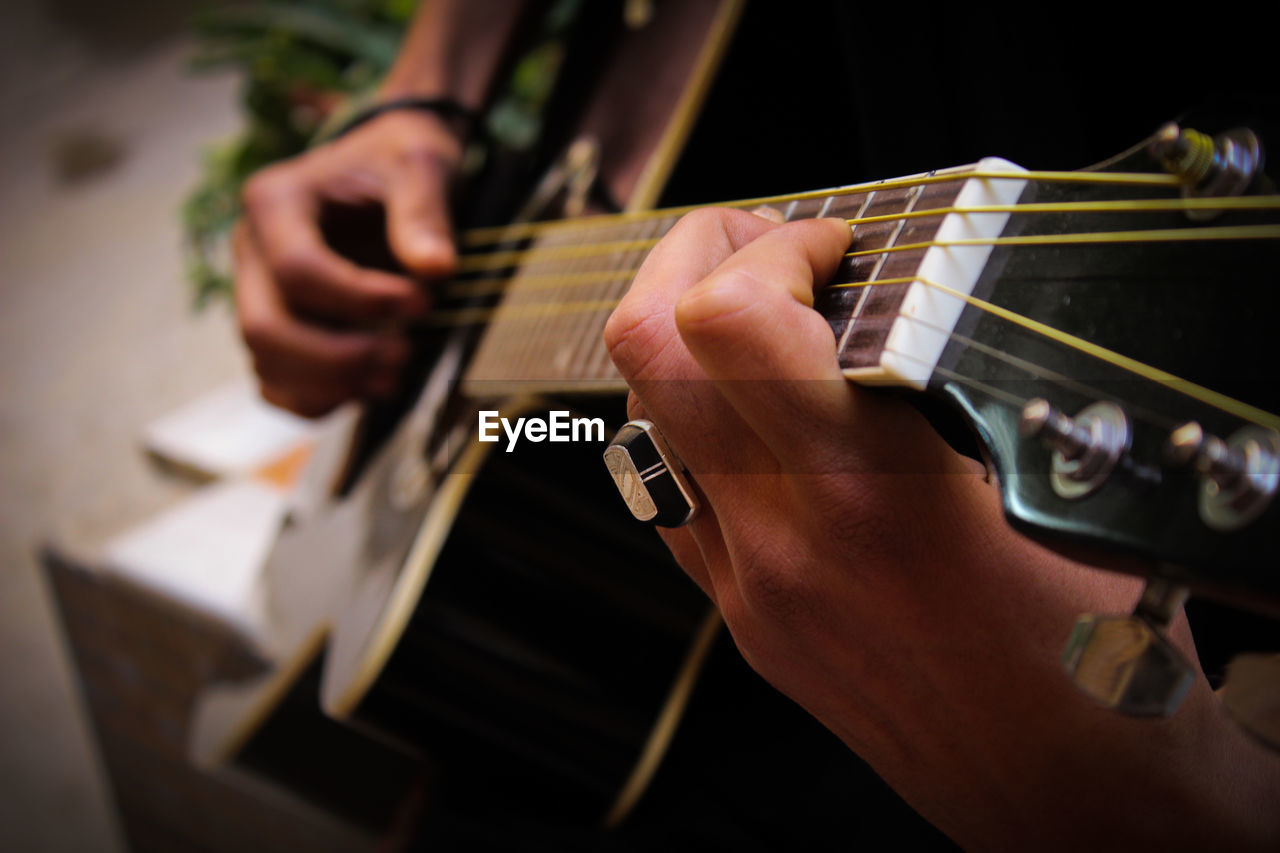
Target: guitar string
(1137, 412)
(1082, 388)
(1170, 235)
(1176, 384)
(502, 259)
(489, 261)
(1159, 235)
(521, 230)
(551, 280)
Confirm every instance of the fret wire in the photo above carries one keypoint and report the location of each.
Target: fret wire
(857, 307)
(541, 338)
(602, 365)
(512, 349)
(482, 262)
(579, 333)
(591, 352)
(488, 236)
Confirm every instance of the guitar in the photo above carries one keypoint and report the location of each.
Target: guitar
(979, 285)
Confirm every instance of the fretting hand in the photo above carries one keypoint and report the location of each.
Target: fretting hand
(865, 569)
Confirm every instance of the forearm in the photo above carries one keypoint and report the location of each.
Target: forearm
(453, 48)
(1025, 760)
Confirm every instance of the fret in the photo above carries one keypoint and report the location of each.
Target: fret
(899, 330)
(868, 325)
(590, 325)
(545, 335)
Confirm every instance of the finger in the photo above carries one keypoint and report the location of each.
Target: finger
(282, 211)
(419, 228)
(300, 362)
(698, 547)
(751, 327)
(643, 341)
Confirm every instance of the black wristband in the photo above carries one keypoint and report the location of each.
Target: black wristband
(445, 108)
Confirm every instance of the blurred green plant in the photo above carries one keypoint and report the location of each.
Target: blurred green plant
(301, 59)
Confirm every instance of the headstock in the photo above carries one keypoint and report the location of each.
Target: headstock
(1135, 413)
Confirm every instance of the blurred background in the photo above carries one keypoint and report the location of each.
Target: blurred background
(104, 134)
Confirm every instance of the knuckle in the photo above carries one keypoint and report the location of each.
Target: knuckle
(262, 187)
(294, 267)
(259, 333)
(632, 338)
(774, 587)
(701, 219)
(859, 521)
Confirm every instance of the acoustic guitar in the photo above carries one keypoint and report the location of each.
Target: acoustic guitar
(537, 636)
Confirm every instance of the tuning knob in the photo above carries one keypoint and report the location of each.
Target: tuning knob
(1209, 167)
(1238, 477)
(1125, 662)
(1085, 448)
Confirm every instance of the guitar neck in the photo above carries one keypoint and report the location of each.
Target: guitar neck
(558, 283)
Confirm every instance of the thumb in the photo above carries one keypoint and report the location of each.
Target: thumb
(419, 226)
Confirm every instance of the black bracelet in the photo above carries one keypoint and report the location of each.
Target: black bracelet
(445, 108)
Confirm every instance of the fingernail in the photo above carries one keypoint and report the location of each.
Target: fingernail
(769, 213)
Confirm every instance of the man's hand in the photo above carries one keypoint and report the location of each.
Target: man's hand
(321, 328)
(865, 569)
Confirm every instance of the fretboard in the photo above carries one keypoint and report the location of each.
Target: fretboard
(559, 286)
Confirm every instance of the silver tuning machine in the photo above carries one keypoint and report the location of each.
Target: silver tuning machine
(1085, 447)
(1238, 476)
(1126, 662)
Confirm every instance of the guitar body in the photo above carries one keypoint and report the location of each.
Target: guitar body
(541, 639)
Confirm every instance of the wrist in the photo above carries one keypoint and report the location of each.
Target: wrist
(455, 116)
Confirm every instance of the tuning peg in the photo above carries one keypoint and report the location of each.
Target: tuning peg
(1085, 448)
(1209, 166)
(1125, 662)
(1238, 476)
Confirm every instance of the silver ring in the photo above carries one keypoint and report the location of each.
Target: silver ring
(649, 476)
